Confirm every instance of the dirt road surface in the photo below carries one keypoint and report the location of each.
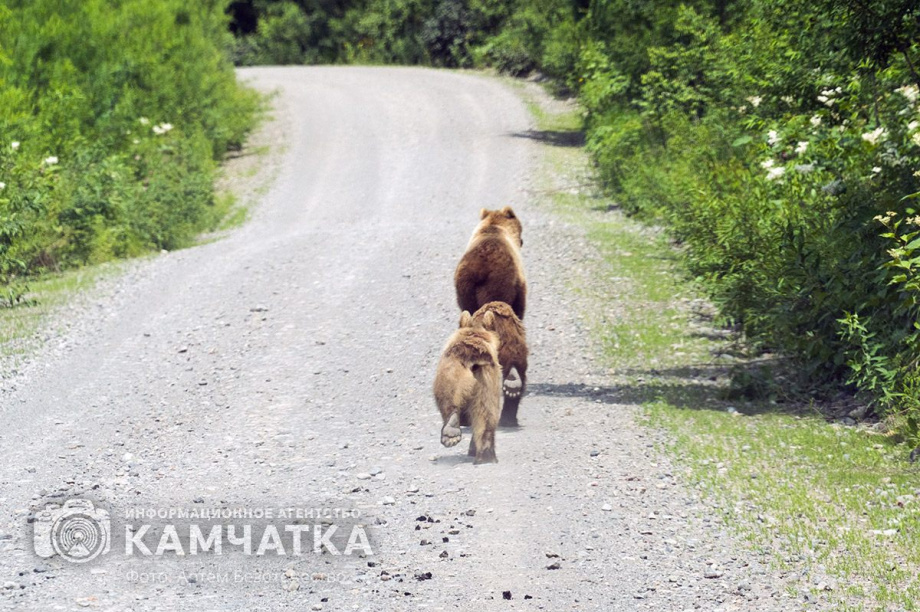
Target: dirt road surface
(289, 365)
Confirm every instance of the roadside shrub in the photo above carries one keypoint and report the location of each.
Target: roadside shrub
(283, 35)
(508, 53)
(112, 114)
(446, 34)
(785, 168)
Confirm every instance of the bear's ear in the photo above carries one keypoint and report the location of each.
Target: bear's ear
(483, 213)
(488, 320)
(465, 319)
(508, 212)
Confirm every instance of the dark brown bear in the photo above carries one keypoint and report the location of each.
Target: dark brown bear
(469, 381)
(491, 268)
(512, 354)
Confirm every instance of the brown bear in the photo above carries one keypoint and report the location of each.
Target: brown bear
(469, 380)
(491, 268)
(512, 354)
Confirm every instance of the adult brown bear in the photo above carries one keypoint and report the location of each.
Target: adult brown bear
(491, 268)
(512, 355)
(469, 381)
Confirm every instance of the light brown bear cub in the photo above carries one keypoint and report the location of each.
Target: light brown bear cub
(512, 355)
(469, 381)
(491, 268)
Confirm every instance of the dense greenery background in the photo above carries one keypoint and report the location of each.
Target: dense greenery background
(112, 114)
(778, 140)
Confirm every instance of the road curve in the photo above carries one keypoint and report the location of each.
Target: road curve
(290, 363)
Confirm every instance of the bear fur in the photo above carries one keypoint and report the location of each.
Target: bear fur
(491, 268)
(512, 355)
(469, 381)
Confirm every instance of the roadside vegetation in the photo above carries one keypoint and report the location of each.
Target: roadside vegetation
(777, 141)
(837, 505)
(113, 116)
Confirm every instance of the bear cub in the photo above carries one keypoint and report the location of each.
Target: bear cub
(512, 355)
(468, 382)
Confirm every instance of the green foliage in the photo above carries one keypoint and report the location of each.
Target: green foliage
(112, 114)
(447, 32)
(515, 37)
(772, 144)
(284, 35)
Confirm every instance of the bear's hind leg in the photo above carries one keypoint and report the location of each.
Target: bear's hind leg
(484, 423)
(509, 412)
(512, 384)
(485, 450)
(513, 389)
(450, 432)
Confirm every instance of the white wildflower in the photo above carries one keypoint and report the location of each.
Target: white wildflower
(144, 121)
(788, 100)
(815, 121)
(875, 135)
(801, 147)
(136, 141)
(14, 145)
(916, 139)
(767, 164)
(876, 169)
(804, 168)
(755, 100)
(827, 96)
(2, 185)
(161, 129)
(775, 173)
(910, 92)
(50, 161)
(772, 138)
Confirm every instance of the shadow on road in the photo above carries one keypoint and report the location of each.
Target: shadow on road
(554, 138)
(691, 387)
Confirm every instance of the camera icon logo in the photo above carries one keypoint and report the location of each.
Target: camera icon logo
(77, 531)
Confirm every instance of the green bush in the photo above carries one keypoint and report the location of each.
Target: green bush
(508, 53)
(113, 114)
(783, 156)
(515, 37)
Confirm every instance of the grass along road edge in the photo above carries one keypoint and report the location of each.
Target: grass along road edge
(837, 505)
(50, 301)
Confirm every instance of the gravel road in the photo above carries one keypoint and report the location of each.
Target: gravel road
(290, 364)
